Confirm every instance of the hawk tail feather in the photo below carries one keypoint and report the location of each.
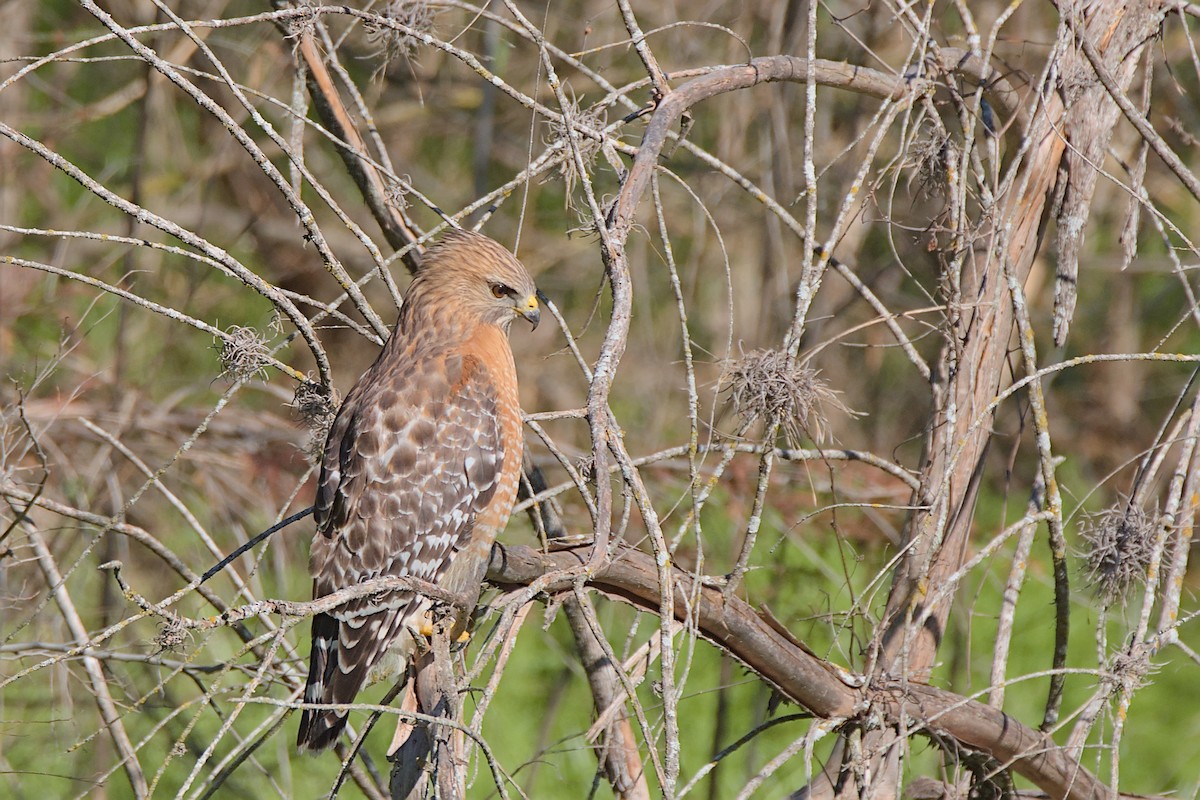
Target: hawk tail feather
(320, 728)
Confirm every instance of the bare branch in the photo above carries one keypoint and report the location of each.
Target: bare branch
(788, 664)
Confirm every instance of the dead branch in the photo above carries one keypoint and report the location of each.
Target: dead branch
(826, 690)
(293, 609)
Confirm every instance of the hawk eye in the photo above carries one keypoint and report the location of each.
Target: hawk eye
(500, 290)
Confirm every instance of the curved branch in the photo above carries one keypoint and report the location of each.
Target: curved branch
(784, 661)
(727, 79)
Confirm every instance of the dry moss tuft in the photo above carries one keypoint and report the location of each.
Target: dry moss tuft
(302, 26)
(594, 118)
(1117, 545)
(244, 354)
(1130, 670)
(762, 386)
(930, 159)
(171, 636)
(393, 44)
(316, 407)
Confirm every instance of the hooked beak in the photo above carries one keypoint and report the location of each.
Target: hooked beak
(529, 309)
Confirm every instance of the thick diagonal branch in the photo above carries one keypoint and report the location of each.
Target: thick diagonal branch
(822, 688)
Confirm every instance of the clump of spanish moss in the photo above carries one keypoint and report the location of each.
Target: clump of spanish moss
(244, 354)
(930, 158)
(171, 636)
(594, 118)
(305, 24)
(1117, 545)
(316, 407)
(586, 225)
(762, 385)
(1130, 670)
(392, 43)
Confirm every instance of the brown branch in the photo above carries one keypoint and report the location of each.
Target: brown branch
(770, 69)
(335, 117)
(826, 690)
(728, 79)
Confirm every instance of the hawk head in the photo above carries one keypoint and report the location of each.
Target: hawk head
(478, 278)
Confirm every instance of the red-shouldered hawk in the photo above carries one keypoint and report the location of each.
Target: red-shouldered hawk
(420, 470)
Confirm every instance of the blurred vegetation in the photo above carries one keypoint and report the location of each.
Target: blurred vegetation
(228, 456)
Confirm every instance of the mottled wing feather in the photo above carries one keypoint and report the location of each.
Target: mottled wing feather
(414, 455)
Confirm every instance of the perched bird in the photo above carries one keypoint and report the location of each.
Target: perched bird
(420, 469)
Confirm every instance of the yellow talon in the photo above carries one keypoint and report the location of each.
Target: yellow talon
(426, 628)
(465, 636)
